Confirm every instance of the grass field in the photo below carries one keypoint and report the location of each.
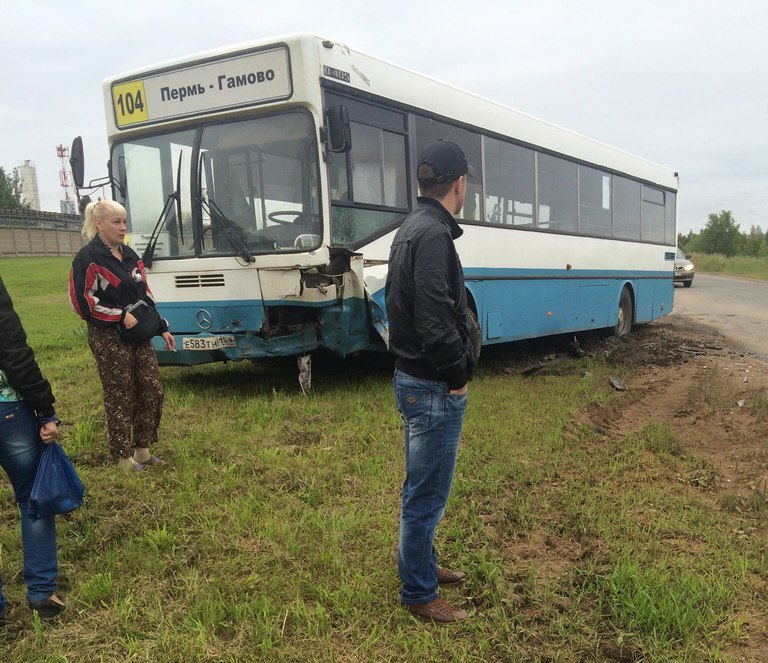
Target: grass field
(271, 532)
(754, 268)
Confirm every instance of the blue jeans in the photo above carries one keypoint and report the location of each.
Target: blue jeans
(20, 451)
(432, 420)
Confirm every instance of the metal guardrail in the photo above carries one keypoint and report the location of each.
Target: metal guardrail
(22, 217)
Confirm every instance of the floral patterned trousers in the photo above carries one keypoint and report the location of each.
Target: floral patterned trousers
(133, 392)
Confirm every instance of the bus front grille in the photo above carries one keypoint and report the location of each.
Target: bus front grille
(200, 280)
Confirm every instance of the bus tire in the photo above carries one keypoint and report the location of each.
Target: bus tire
(475, 333)
(626, 314)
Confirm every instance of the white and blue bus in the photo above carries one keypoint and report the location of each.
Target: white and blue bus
(264, 183)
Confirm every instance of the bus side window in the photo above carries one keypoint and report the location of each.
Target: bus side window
(670, 204)
(626, 213)
(338, 176)
(428, 131)
(594, 202)
(378, 166)
(378, 178)
(652, 225)
(558, 192)
(509, 185)
(368, 184)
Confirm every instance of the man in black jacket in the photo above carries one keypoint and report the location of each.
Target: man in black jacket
(428, 333)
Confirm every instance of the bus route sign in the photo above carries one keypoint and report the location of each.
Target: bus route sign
(211, 85)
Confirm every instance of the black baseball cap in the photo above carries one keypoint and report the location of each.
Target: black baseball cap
(447, 161)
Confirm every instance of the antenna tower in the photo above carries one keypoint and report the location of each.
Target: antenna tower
(68, 202)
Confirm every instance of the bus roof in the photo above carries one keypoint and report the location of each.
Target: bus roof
(313, 57)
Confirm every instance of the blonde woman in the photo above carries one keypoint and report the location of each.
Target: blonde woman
(108, 289)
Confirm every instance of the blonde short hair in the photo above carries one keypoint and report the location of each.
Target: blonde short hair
(98, 211)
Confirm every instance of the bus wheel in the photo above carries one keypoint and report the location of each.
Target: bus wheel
(475, 333)
(626, 314)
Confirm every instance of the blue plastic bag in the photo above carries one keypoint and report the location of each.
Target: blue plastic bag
(57, 488)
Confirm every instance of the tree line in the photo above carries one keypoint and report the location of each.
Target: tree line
(722, 235)
(11, 188)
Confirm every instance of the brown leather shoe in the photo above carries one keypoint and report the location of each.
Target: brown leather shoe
(447, 577)
(438, 611)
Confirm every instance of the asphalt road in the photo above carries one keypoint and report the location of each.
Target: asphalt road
(737, 308)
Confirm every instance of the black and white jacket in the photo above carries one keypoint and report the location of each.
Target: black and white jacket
(101, 286)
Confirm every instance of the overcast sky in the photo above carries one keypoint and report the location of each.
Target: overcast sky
(683, 83)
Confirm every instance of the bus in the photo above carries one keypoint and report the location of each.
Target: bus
(264, 183)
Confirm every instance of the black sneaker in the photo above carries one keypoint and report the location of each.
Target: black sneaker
(47, 608)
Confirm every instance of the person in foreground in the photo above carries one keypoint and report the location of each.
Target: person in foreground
(27, 423)
(106, 283)
(429, 333)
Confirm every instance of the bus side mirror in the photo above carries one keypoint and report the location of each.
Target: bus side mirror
(122, 179)
(339, 136)
(76, 161)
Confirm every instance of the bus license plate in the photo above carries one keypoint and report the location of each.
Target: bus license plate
(208, 343)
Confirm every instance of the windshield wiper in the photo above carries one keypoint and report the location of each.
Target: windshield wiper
(149, 250)
(228, 228)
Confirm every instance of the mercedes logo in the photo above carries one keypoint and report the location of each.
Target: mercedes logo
(204, 319)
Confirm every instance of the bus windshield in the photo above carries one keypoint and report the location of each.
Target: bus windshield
(255, 187)
(147, 172)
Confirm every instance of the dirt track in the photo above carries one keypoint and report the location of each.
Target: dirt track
(713, 395)
(688, 375)
(676, 358)
(703, 385)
